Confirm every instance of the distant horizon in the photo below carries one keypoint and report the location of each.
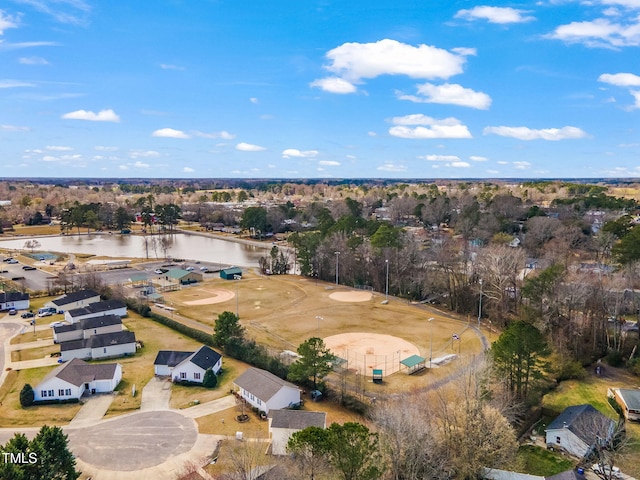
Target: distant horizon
(222, 89)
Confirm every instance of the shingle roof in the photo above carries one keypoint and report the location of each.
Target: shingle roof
(583, 421)
(98, 341)
(96, 308)
(205, 357)
(13, 296)
(77, 372)
(297, 419)
(261, 383)
(89, 323)
(631, 397)
(74, 297)
(568, 475)
(171, 358)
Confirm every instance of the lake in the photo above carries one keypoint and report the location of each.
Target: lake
(178, 245)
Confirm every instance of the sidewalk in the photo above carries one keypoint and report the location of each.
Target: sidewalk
(208, 408)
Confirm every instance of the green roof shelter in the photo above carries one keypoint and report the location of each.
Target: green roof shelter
(230, 273)
(414, 363)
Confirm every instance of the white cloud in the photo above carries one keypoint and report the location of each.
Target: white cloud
(253, 100)
(168, 66)
(101, 116)
(620, 79)
(14, 128)
(445, 128)
(63, 11)
(7, 21)
(453, 94)
(58, 148)
(104, 148)
(135, 154)
(188, 170)
(372, 134)
(392, 167)
(502, 162)
(329, 163)
(140, 164)
(294, 152)
(522, 165)
(222, 134)
(501, 15)
(599, 33)
(19, 45)
(441, 158)
(477, 158)
(170, 133)
(458, 164)
(32, 61)
(636, 96)
(248, 147)
(334, 85)
(7, 83)
(525, 133)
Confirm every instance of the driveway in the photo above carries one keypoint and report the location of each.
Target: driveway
(93, 410)
(156, 395)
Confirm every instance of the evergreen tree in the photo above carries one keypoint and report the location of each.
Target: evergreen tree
(210, 380)
(227, 326)
(26, 395)
(315, 361)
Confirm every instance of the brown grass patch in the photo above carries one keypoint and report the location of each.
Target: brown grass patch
(34, 353)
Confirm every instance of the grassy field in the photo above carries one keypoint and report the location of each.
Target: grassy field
(540, 461)
(34, 353)
(593, 390)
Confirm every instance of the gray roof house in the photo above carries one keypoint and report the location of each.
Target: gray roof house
(107, 307)
(266, 391)
(107, 345)
(629, 401)
(74, 300)
(284, 423)
(577, 429)
(187, 366)
(87, 327)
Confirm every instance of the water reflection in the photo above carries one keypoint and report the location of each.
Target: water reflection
(179, 245)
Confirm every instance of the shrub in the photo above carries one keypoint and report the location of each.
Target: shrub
(570, 369)
(210, 379)
(615, 358)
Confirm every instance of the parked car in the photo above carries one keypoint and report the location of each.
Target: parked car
(45, 314)
(28, 267)
(11, 260)
(189, 269)
(204, 269)
(606, 470)
(56, 324)
(28, 315)
(13, 311)
(158, 271)
(42, 259)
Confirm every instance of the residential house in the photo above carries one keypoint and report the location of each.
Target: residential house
(108, 345)
(72, 300)
(577, 430)
(629, 401)
(266, 391)
(108, 307)
(87, 327)
(284, 423)
(71, 380)
(187, 366)
(17, 300)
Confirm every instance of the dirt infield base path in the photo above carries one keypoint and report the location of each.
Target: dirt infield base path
(363, 296)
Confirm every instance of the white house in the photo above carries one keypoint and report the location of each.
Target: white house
(87, 327)
(191, 368)
(70, 380)
(266, 391)
(17, 300)
(72, 300)
(108, 307)
(284, 423)
(108, 345)
(577, 429)
(166, 360)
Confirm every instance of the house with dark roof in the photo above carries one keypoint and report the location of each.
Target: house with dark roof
(284, 423)
(87, 327)
(629, 401)
(72, 379)
(108, 345)
(266, 391)
(107, 307)
(17, 300)
(72, 300)
(578, 429)
(187, 366)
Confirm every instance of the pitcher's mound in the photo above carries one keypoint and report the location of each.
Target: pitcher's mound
(351, 296)
(219, 295)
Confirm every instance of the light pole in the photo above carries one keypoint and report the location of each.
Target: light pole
(337, 266)
(480, 303)
(237, 277)
(386, 288)
(318, 317)
(430, 320)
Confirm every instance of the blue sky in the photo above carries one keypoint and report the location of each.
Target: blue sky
(299, 89)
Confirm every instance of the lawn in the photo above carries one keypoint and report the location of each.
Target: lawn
(34, 353)
(540, 461)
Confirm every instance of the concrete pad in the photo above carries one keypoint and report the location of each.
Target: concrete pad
(93, 410)
(208, 408)
(38, 362)
(156, 395)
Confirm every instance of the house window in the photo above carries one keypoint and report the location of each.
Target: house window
(51, 394)
(60, 392)
(43, 393)
(67, 391)
(95, 331)
(558, 440)
(104, 350)
(196, 375)
(183, 374)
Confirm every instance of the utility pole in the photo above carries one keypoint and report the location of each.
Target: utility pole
(430, 320)
(386, 289)
(337, 266)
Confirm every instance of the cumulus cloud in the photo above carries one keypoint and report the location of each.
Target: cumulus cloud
(168, 66)
(525, 133)
(188, 170)
(620, 79)
(105, 148)
(522, 165)
(334, 85)
(58, 148)
(134, 154)
(447, 93)
(428, 127)
(102, 116)
(7, 21)
(636, 96)
(352, 62)
(329, 163)
(459, 164)
(7, 83)
(477, 158)
(248, 147)
(501, 15)
(294, 152)
(600, 32)
(222, 134)
(32, 61)
(170, 133)
(441, 158)
(392, 167)
(253, 100)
